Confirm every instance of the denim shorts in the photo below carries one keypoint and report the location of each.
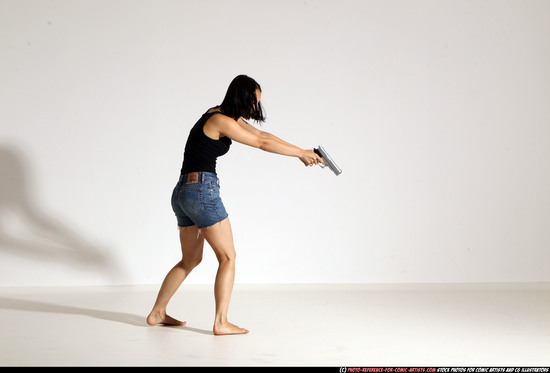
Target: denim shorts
(196, 200)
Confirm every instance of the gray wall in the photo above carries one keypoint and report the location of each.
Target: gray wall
(437, 112)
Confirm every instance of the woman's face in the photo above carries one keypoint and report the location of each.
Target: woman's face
(258, 96)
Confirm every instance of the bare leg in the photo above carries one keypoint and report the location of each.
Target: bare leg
(191, 247)
(220, 238)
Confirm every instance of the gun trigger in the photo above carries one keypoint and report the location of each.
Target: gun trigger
(320, 155)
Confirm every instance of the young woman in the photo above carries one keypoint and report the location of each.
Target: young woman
(196, 197)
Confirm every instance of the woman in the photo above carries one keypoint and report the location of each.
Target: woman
(196, 200)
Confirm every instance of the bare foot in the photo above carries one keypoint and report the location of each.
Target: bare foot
(228, 328)
(163, 319)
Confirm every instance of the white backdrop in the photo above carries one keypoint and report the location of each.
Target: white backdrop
(437, 111)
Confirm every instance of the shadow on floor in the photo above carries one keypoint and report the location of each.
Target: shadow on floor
(120, 317)
(36, 306)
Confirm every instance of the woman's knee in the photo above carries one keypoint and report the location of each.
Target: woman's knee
(190, 262)
(227, 256)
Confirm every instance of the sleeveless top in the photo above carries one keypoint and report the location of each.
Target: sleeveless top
(201, 152)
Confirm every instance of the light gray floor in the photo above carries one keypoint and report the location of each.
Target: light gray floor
(291, 325)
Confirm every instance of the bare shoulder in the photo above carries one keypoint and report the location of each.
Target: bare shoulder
(216, 125)
(221, 120)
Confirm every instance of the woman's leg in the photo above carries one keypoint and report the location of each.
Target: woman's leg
(220, 238)
(191, 248)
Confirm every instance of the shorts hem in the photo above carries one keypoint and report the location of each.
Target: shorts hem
(211, 225)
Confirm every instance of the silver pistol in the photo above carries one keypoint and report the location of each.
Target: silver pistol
(321, 152)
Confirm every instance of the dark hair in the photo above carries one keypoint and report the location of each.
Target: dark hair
(241, 101)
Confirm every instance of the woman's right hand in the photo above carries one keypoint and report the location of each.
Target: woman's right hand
(310, 158)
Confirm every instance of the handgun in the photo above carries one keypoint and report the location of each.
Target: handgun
(321, 152)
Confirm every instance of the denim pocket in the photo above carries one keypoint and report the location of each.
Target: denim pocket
(214, 189)
(191, 200)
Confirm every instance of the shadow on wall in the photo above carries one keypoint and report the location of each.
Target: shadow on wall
(29, 232)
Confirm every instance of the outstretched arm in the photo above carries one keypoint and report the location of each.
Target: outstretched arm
(247, 126)
(245, 133)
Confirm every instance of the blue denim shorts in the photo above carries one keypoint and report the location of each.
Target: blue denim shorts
(196, 200)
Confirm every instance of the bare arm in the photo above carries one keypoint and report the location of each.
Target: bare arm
(247, 126)
(245, 133)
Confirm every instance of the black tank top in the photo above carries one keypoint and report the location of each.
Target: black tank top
(201, 152)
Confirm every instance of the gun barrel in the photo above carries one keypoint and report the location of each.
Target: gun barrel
(328, 160)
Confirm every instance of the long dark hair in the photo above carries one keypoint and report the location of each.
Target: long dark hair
(240, 100)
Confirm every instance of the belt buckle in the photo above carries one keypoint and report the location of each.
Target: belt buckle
(192, 178)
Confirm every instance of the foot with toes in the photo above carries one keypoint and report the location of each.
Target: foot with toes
(227, 328)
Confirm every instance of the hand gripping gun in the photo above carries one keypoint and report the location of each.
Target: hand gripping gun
(321, 152)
